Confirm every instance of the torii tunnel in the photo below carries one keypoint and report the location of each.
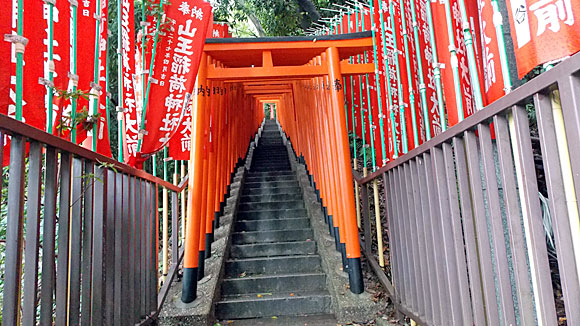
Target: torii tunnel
(303, 76)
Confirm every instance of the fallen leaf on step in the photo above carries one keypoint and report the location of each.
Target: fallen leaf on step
(274, 317)
(243, 275)
(259, 295)
(291, 294)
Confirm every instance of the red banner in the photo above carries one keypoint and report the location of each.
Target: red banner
(130, 120)
(85, 62)
(102, 132)
(175, 70)
(543, 31)
(220, 30)
(34, 29)
(61, 58)
(425, 54)
(443, 41)
(492, 73)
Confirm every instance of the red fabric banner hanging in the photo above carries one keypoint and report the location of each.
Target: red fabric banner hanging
(543, 31)
(85, 64)
(61, 58)
(220, 30)
(102, 132)
(33, 108)
(176, 66)
(425, 54)
(442, 40)
(492, 73)
(34, 29)
(129, 107)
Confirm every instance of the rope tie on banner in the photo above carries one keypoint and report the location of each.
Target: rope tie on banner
(153, 80)
(142, 133)
(74, 78)
(97, 16)
(73, 3)
(167, 159)
(50, 2)
(422, 86)
(120, 109)
(45, 82)
(18, 41)
(95, 90)
(51, 66)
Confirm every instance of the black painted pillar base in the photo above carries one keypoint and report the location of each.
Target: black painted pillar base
(201, 270)
(208, 242)
(355, 276)
(343, 256)
(330, 225)
(325, 212)
(336, 238)
(189, 285)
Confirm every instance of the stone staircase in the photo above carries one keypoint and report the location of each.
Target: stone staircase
(273, 268)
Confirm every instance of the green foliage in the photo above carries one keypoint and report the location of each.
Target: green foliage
(277, 17)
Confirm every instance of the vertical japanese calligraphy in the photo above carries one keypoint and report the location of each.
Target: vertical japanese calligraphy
(543, 31)
(176, 66)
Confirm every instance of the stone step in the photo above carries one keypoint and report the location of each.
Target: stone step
(270, 173)
(271, 198)
(310, 320)
(277, 283)
(271, 191)
(272, 225)
(272, 214)
(271, 184)
(256, 250)
(268, 178)
(271, 205)
(272, 236)
(277, 304)
(273, 265)
(271, 169)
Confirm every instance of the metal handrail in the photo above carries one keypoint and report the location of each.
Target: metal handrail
(456, 204)
(536, 85)
(11, 125)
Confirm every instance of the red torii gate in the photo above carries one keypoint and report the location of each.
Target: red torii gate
(257, 70)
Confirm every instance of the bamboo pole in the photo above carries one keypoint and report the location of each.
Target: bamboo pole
(183, 200)
(165, 218)
(378, 224)
(567, 175)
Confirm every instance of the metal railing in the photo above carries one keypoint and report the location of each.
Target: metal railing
(83, 235)
(467, 235)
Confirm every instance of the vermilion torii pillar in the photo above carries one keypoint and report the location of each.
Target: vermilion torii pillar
(338, 118)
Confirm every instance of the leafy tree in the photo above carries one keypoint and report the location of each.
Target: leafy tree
(271, 17)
